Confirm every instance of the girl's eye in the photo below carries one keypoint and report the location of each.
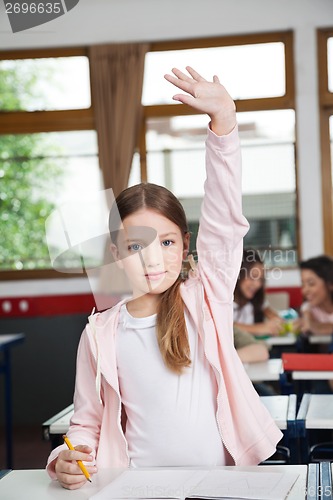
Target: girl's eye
(135, 247)
(167, 243)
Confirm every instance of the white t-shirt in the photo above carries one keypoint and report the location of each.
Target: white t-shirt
(319, 314)
(245, 314)
(171, 419)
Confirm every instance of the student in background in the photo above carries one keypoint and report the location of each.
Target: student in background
(164, 359)
(317, 289)
(317, 311)
(251, 312)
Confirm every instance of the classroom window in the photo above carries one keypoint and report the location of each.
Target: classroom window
(48, 150)
(248, 71)
(40, 173)
(44, 84)
(175, 159)
(173, 146)
(330, 63)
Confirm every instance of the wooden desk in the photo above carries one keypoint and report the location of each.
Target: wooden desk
(283, 410)
(303, 368)
(315, 412)
(320, 339)
(280, 340)
(8, 341)
(312, 375)
(56, 426)
(264, 371)
(36, 484)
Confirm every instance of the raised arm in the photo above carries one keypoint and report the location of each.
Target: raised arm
(222, 225)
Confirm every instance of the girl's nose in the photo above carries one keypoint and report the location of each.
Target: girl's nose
(153, 255)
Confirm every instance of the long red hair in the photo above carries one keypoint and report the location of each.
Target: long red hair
(171, 327)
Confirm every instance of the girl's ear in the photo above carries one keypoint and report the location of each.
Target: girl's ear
(115, 253)
(186, 245)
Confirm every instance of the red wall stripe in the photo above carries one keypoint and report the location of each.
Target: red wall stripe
(50, 305)
(57, 305)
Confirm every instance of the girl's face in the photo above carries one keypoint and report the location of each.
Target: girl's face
(150, 249)
(253, 281)
(314, 288)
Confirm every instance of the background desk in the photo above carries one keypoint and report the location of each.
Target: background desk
(267, 371)
(36, 484)
(281, 340)
(283, 410)
(315, 413)
(56, 426)
(320, 339)
(6, 343)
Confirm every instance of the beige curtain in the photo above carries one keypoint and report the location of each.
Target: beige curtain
(116, 82)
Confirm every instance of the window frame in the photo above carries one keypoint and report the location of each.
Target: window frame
(326, 110)
(30, 122)
(20, 122)
(287, 101)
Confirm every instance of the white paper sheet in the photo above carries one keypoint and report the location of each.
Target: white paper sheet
(152, 483)
(197, 483)
(254, 485)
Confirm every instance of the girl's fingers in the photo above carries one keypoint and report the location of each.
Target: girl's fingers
(183, 85)
(70, 455)
(195, 75)
(183, 81)
(71, 482)
(83, 448)
(182, 76)
(184, 98)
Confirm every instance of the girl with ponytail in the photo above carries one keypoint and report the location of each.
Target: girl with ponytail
(159, 382)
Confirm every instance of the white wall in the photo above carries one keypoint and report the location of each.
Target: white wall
(99, 21)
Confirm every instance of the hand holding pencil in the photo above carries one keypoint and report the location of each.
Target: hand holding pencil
(79, 462)
(70, 470)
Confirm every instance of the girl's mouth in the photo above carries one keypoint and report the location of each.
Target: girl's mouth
(155, 276)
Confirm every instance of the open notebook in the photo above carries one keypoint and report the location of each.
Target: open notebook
(197, 483)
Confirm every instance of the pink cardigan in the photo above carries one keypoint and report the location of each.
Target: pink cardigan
(248, 431)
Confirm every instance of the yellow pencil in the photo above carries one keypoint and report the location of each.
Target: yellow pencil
(79, 462)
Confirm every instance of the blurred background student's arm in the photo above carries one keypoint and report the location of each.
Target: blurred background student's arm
(309, 324)
(248, 349)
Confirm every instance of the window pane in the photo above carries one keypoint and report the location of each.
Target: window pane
(247, 71)
(44, 84)
(40, 172)
(175, 159)
(330, 63)
(135, 174)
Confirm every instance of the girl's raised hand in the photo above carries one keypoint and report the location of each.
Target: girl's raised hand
(207, 97)
(67, 470)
